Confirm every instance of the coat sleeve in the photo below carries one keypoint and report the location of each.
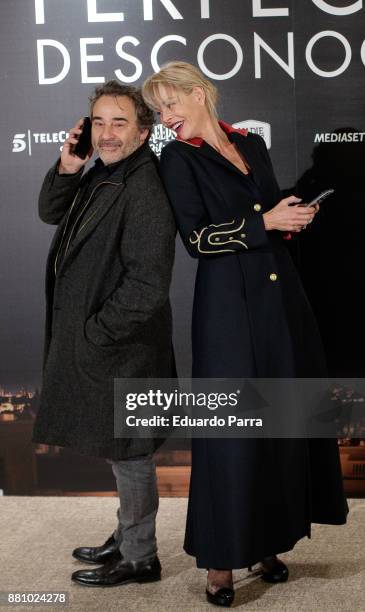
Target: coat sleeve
(146, 250)
(57, 194)
(201, 237)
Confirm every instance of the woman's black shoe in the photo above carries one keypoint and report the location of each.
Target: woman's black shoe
(273, 570)
(222, 597)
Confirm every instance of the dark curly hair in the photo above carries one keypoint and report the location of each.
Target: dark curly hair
(145, 116)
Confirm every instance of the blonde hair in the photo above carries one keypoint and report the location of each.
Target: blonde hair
(183, 76)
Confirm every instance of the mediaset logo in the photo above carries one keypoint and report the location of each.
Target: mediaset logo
(339, 137)
(257, 127)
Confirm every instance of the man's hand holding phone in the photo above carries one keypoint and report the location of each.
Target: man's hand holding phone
(71, 163)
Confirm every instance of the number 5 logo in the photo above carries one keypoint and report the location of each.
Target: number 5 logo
(19, 143)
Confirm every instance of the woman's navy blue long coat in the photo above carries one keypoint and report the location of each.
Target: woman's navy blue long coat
(249, 498)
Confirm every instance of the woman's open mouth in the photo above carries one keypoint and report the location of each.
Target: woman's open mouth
(176, 127)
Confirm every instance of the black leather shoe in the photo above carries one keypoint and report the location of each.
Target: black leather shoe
(222, 597)
(97, 554)
(273, 570)
(115, 573)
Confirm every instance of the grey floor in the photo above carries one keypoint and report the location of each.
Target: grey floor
(327, 573)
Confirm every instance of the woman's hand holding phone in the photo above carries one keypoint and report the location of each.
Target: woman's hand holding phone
(71, 163)
(287, 217)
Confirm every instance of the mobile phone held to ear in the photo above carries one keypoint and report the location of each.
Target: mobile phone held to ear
(82, 148)
(319, 199)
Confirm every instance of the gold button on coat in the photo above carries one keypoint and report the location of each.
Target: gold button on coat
(257, 207)
(273, 276)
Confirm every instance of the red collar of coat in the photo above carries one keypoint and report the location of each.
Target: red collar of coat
(228, 129)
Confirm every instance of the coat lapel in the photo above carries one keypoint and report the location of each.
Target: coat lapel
(248, 149)
(106, 193)
(244, 143)
(207, 151)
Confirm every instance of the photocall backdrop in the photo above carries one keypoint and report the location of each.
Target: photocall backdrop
(291, 70)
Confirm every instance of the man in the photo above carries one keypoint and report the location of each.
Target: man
(108, 315)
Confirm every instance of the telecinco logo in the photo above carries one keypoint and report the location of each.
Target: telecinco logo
(25, 141)
(257, 127)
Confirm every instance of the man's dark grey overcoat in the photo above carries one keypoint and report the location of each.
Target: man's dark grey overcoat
(108, 312)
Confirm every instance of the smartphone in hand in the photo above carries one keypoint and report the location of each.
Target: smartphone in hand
(319, 199)
(322, 196)
(82, 148)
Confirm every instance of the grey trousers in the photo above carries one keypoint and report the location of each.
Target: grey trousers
(138, 497)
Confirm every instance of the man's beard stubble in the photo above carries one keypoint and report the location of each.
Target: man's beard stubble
(125, 151)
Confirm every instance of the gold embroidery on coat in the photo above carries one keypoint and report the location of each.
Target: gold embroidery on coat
(215, 236)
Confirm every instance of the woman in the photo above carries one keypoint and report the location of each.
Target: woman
(250, 499)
